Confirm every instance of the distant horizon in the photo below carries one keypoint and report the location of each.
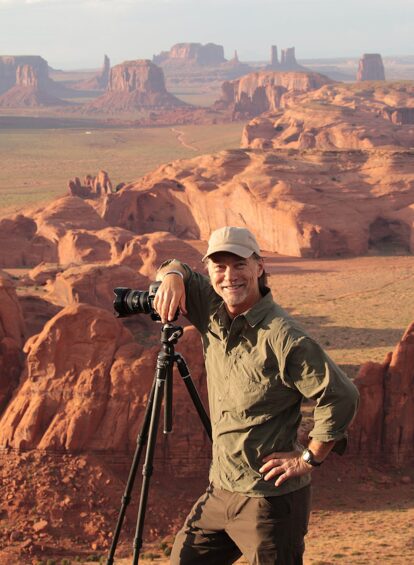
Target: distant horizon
(75, 34)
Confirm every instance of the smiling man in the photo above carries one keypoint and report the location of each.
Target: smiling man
(260, 366)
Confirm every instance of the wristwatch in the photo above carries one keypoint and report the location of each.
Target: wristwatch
(309, 457)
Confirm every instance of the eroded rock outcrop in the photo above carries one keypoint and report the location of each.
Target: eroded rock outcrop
(92, 187)
(371, 67)
(264, 91)
(135, 85)
(85, 387)
(384, 425)
(11, 339)
(300, 203)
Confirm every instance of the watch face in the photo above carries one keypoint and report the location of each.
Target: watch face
(307, 456)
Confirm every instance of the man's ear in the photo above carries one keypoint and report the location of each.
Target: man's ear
(261, 267)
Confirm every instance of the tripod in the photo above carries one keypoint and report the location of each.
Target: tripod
(170, 335)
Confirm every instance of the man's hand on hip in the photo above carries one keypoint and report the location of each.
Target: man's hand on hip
(285, 465)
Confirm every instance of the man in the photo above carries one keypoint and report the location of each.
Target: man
(260, 365)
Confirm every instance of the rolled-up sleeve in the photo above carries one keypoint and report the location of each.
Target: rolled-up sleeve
(310, 370)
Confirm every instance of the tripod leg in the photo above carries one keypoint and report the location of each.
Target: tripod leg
(149, 457)
(185, 375)
(141, 440)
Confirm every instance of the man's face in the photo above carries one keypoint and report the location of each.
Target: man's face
(236, 280)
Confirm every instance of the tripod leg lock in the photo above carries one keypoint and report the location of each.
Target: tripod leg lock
(147, 470)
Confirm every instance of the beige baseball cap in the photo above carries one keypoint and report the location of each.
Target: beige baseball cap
(239, 241)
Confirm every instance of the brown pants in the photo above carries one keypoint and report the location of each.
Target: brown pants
(224, 525)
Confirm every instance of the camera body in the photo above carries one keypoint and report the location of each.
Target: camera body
(129, 301)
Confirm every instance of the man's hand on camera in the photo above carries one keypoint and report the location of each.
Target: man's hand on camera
(170, 296)
(285, 464)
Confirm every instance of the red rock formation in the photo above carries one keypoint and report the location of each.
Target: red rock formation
(93, 284)
(325, 126)
(11, 68)
(384, 425)
(145, 253)
(91, 246)
(28, 247)
(67, 213)
(262, 91)
(31, 85)
(92, 186)
(371, 67)
(11, 339)
(85, 387)
(135, 85)
(311, 204)
(98, 82)
(192, 53)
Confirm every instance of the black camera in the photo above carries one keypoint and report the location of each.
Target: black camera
(129, 301)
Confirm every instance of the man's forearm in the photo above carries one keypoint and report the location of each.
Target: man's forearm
(171, 265)
(320, 449)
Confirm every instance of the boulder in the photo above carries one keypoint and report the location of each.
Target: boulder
(12, 334)
(384, 425)
(93, 284)
(371, 67)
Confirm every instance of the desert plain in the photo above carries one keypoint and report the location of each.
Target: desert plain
(97, 192)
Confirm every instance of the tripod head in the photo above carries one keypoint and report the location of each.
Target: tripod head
(170, 334)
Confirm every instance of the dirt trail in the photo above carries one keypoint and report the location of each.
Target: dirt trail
(181, 139)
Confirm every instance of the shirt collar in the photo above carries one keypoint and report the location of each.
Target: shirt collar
(253, 316)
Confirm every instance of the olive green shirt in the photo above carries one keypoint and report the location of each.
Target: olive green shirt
(260, 366)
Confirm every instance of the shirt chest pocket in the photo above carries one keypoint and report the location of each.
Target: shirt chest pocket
(254, 382)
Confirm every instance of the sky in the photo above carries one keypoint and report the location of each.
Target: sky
(75, 34)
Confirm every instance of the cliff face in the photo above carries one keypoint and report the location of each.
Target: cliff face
(134, 85)
(192, 53)
(263, 91)
(371, 67)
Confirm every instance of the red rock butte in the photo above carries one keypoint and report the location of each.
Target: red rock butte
(25, 82)
(209, 54)
(135, 85)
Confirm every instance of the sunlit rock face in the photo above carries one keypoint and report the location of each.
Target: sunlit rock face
(384, 424)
